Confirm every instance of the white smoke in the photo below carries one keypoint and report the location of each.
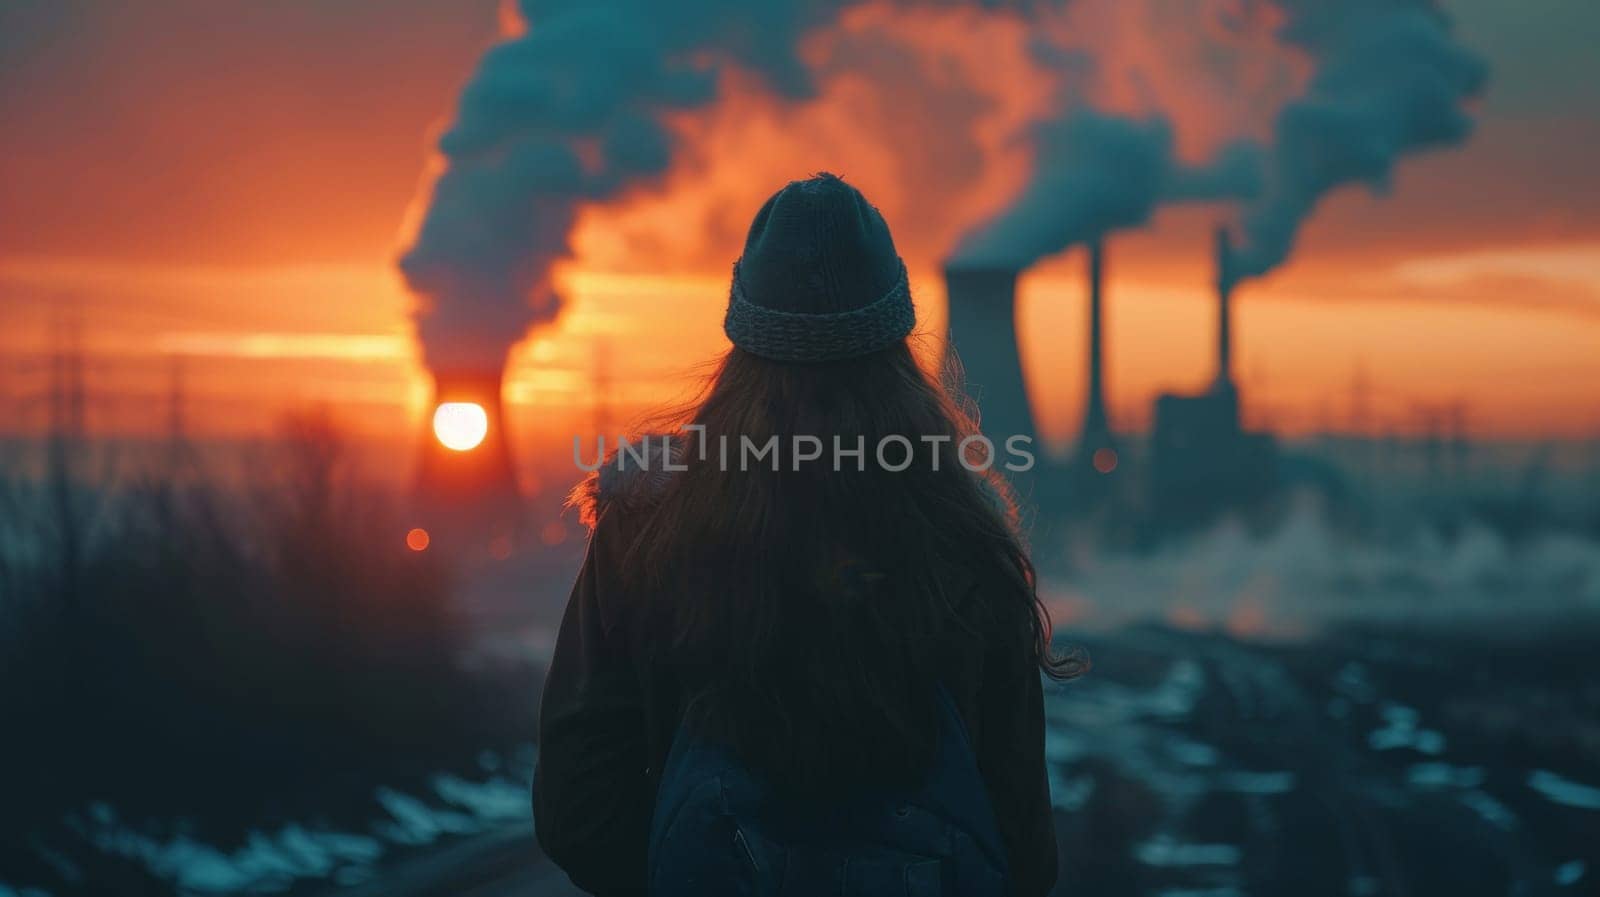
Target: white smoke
(1388, 81)
(567, 113)
(575, 111)
(1307, 572)
(1094, 173)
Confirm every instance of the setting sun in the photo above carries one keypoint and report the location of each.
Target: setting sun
(460, 425)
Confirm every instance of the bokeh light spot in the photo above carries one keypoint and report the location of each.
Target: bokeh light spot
(553, 533)
(500, 547)
(1105, 460)
(417, 539)
(460, 425)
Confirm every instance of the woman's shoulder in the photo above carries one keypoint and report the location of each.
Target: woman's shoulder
(632, 477)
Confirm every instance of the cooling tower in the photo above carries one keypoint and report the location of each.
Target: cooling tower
(475, 482)
(983, 334)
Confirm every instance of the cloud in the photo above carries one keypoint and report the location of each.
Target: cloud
(1554, 280)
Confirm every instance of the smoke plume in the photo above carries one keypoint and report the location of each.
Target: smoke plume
(1095, 173)
(1388, 81)
(570, 112)
(586, 104)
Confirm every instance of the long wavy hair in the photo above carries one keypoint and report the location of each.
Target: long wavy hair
(808, 613)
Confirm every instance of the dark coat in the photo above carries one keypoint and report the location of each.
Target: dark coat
(608, 719)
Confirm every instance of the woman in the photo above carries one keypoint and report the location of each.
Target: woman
(811, 601)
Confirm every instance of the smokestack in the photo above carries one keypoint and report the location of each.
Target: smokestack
(1096, 454)
(1095, 421)
(466, 467)
(983, 333)
(1225, 282)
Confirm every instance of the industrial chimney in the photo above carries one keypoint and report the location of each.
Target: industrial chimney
(465, 482)
(1096, 455)
(1225, 282)
(983, 334)
(1202, 460)
(1096, 423)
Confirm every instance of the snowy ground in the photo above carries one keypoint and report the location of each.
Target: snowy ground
(1294, 713)
(1359, 763)
(278, 858)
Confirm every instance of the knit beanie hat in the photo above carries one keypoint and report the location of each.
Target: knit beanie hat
(819, 279)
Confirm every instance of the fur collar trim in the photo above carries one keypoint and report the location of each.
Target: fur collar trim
(631, 478)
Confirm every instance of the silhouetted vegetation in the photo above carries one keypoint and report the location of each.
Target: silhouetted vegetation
(182, 649)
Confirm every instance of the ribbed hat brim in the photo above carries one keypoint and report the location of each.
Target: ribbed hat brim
(794, 337)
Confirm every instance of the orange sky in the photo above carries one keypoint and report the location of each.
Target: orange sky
(220, 192)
